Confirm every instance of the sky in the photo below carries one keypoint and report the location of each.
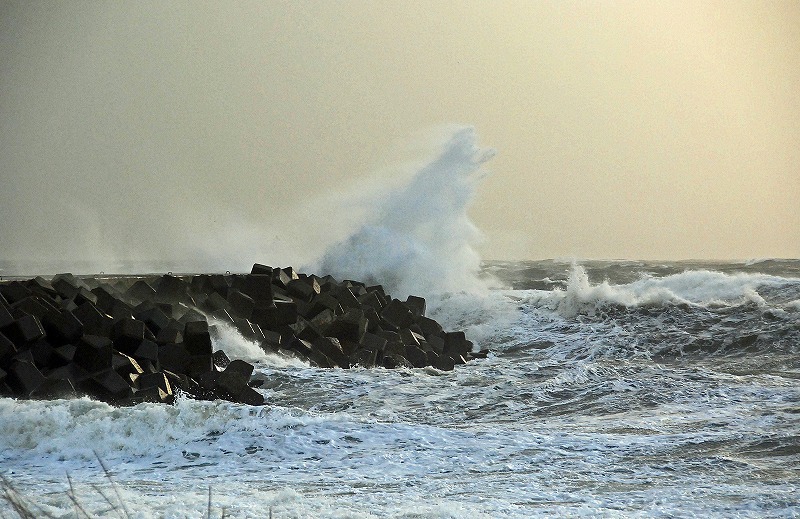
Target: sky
(225, 133)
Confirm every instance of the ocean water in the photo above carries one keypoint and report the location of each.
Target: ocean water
(615, 389)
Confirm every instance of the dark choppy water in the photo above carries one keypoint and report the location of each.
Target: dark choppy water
(618, 389)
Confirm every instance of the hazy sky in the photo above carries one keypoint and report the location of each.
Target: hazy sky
(180, 130)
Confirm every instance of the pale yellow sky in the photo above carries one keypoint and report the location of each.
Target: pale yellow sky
(649, 130)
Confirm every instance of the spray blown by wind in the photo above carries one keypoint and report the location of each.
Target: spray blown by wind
(418, 238)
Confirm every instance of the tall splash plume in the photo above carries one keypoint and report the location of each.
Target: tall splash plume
(418, 238)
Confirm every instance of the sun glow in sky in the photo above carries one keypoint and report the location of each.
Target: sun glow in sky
(655, 130)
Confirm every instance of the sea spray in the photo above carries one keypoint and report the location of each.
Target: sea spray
(418, 238)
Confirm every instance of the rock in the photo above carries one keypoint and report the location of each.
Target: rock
(331, 348)
(397, 315)
(234, 378)
(303, 289)
(7, 349)
(172, 289)
(108, 385)
(249, 396)
(24, 378)
(240, 304)
(61, 327)
(127, 334)
(416, 305)
(456, 344)
(24, 330)
(197, 339)
(257, 287)
(221, 360)
(93, 320)
(261, 269)
(14, 291)
(141, 290)
(350, 326)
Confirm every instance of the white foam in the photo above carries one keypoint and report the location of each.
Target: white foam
(236, 346)
(418, 238)
(694, 287)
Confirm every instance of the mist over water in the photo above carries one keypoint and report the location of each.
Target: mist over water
(418, 238)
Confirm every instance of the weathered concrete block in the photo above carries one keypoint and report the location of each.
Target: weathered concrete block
(323, 319)
(42, 287)
(234, 378)
(84, 295)
(306, 331)
(393, 361)
(346, 297)
(127, 335)
(42, 353)
(191, 315)
(417, 357)
(397, 315)
(456, 343)
(441, 362)
(436, 343)
(249, 396)
(153, 317)
(223, 315)
(5, 316)
(32, 305)
(172, 334)
(410, 338)
(61, 327)
(215, 302)
(196, 338)
(350, 326)
(173, 357)
(322, 302)
(281, 314)
(240, 304)
(55, 388)
(417, 305)
(14, 291)
(172, 289)
(272, 340)
(71, 372)
(7, 349)
(199, 364)
(303, 289)
(141, 290)
(24, 378)
(63, 354)
(429, 326)
(23, 330)
(93, 320)
(93, 353)
(107, 297)
(364, 357)
(66, 285)
(125, 364)
(373, 300)
(157, 379)
(258, 268)
(153, 395)
(332, 349)
(147, 351)
(256, 286)
(108, 385)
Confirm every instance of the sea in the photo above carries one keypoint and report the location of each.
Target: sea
(612, 389)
